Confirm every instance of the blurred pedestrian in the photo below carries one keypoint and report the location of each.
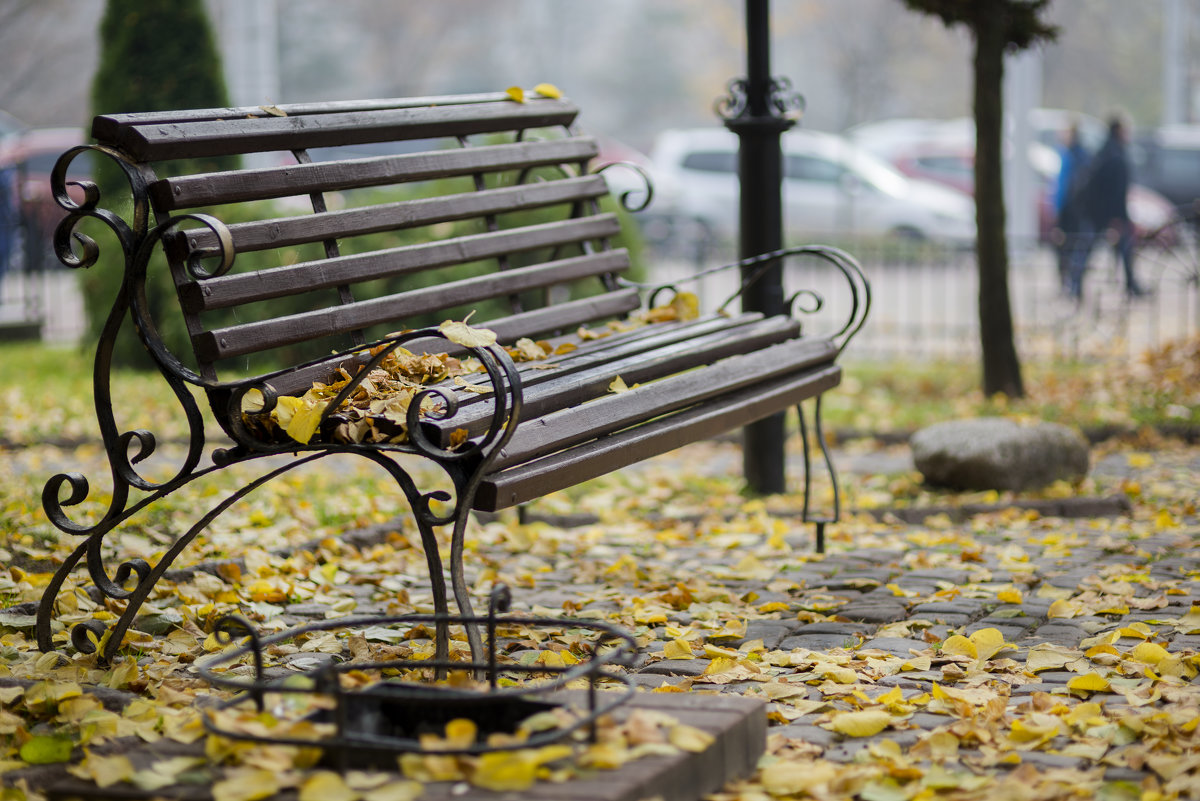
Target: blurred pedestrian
(1068, 224)
(1103, 191)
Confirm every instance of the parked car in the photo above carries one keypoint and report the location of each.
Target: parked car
(30, 156)
(1167, 160)
(830, 188)
(944, 151)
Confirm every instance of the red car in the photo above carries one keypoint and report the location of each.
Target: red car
(29, 155)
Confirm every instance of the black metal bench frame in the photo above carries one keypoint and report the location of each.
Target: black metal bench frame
(530, 433)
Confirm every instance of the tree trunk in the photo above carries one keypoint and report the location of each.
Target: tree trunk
(1001, 369)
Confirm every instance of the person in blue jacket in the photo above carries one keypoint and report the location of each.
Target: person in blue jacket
(1073, 164)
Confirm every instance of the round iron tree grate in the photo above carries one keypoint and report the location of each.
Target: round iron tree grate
(364, 710)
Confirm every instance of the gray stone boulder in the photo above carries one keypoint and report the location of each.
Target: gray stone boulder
(998, 453)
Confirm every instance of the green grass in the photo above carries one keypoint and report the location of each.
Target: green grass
(52, 398)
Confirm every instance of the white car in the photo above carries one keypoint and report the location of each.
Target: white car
(831, 188)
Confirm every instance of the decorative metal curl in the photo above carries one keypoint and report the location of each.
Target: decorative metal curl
(80, 639)
(794, 302)
(734, 102)
(782, 99)
(128, 232)
(647, 185)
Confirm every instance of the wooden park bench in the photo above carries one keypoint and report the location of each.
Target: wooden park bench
(311, 284)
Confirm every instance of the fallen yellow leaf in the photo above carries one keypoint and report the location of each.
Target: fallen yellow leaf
(1089, 683)
(468, 336)
(505, 771)
(325, 785)
(863, 723)
(1148, 652)
(548, 90)
(1010, 596)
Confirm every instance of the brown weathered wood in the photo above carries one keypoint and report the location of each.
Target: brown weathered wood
(288, 231)
(567, 315)
(576, 383)
(570, 467)
(239, 288)
(209, 189)
(580, 423)
(106, 123)
(276, 332)
(162, 141)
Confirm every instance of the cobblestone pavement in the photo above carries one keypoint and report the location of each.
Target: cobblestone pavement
(1051, 657)
(901, 607)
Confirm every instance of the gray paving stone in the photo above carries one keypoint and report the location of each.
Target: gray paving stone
(1048, 760)
(677, 667)
(942, 574)
(845, 750)
(833, 628)
(863, 612)
(806, 732)
(771, 632)
(928, 720)
(900, 646)
(1014, 622)
(819, 642)
(959, 606)
(916, 678)
(944, 618)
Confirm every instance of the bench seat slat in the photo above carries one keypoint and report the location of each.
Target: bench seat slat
(263, 335)
(557, 390)
(577, 424)
(598, 457)
(170, 194)
(288, 231)
(239, 288)
(162, 141)
(561, 316)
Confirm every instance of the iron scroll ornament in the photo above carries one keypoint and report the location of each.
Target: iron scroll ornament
(133, 580)
(782, 99)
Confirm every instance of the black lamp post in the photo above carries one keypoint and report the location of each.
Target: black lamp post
(757, 110)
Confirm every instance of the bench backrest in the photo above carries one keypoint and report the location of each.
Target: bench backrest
(477, 202)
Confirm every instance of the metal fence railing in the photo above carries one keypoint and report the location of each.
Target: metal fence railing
(925, 301)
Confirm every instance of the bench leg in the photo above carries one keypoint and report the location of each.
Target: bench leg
(458, 581)
(147, 576)
(818, 430)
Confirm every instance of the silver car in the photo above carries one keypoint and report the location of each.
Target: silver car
(831, 188)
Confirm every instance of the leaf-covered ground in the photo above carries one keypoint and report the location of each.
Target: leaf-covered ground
(1008, 656)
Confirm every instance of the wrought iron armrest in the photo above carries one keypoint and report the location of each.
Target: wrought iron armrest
(805, 301)
(498, 365)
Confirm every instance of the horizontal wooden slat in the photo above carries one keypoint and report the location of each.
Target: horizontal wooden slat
(289, 231)
(586, 379)
(240, 288)
(238, 186)
(508, 329)
(550, 319)
(577, 424)
(570, 467)
(110, 122)
(273, 333)
(162, 141)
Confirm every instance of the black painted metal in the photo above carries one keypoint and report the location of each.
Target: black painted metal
(126, 586)
(373, 724)
(756, 111)
(132, 581)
